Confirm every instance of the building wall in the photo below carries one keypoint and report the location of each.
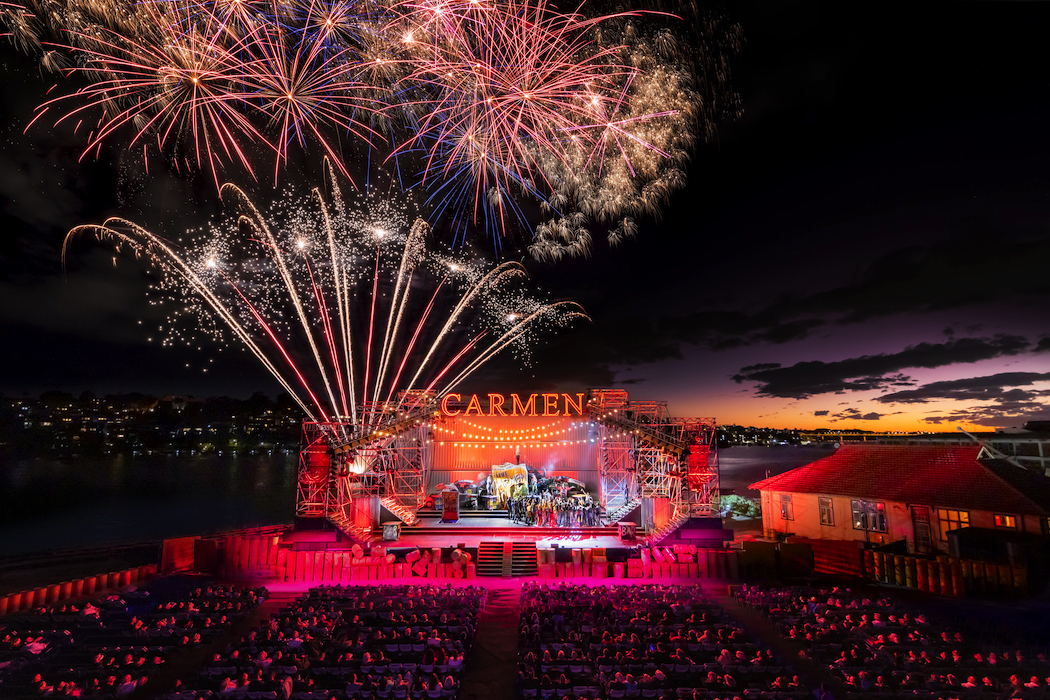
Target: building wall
(806, 522)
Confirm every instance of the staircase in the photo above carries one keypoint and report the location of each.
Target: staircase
(624, 510)
(523, 560)
(654, 536)
(490, 559)
(403, 513)
(361, 535)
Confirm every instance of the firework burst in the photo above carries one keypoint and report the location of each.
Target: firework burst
(344, 302)
(491, 106)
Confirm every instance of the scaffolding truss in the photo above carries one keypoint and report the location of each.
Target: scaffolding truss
(405, 462)
(644, 453)
(657, 470)
(314, 482)
(647, 453)
(616, 467)
(385, 457)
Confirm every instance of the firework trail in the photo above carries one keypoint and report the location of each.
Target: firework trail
(492, 106)
(322, 285)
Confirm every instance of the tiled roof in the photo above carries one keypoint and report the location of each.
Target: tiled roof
(934, 475)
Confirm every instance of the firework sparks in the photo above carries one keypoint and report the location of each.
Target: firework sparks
(344, 302)
(486, 104)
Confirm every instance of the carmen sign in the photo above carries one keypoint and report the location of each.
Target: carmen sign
(501, 405)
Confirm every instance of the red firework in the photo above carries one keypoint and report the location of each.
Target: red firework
(175, 88)
(509, 82)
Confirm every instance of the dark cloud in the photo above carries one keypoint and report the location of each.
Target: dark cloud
(852, 414)
(992, 387)
(1043, 345)
(760, 367)
(915, 279)
(869, 372)
(938, 276)
(820, 413)
(1008, 414)
(725, 329)
(100, 300)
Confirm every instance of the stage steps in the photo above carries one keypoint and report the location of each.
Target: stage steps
(524, 561)
(404, 514)
(361, 535)
(507, 559)
(624, 510)
(490, 559)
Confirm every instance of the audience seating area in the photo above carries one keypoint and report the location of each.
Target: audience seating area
(350, 643)
(575, 642)
(110, 646)
(881, 648)
(649, 641)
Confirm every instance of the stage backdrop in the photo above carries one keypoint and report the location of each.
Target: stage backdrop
(463, 447)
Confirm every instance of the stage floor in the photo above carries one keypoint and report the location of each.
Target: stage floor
(452, 539)
(469, 531)
(489, 521)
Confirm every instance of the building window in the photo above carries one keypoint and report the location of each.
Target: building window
(786, 511)
(952, 520)
(1008, 522)
(827, 510)
(869, 515)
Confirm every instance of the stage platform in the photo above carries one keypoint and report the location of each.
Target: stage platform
(488, 526)
(430, 515)
(452, 538)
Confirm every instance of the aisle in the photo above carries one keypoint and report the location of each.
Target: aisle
(493, 668)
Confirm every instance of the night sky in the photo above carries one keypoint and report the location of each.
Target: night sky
(866, 247)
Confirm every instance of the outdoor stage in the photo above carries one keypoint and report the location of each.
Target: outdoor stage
(445, 470)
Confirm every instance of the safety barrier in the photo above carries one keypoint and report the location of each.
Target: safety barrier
(656, 563)
(354, 565)
(77, 588)
(246, 554)
(949, 576)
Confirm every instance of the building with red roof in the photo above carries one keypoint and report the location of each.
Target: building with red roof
(888, 493)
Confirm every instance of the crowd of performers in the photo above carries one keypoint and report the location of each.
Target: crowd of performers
(554, 502)
(549, 510)
(531, 498)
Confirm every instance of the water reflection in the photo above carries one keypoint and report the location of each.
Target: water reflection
(75, 502)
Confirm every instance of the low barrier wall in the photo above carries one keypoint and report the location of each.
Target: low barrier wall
(77, 588)
(946, 575)
(679, 561)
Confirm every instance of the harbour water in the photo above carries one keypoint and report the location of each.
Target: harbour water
(741, 466)
(66, 503)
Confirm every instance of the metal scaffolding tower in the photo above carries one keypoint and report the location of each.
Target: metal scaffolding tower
(314, 482)
(647, 453)
(387, 458)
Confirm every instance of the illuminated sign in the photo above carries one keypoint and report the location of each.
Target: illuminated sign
(500, 405)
